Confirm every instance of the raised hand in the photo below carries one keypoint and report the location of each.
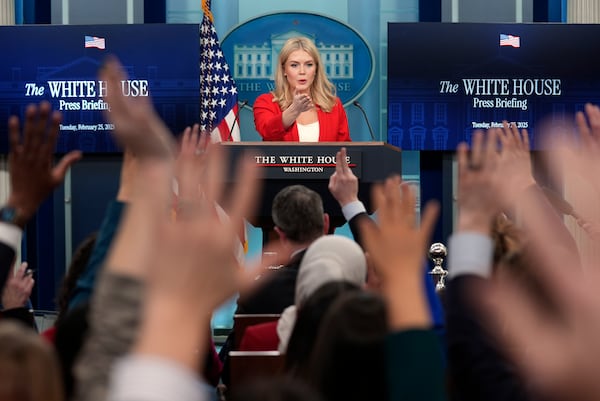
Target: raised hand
(514, 163)
(397, 246)
(17, 288)
(554, 347)
(192, 267)
(556, 351)
(137, 126)
(478, 201)
(30, 161)
(190, 163)
(343, 184)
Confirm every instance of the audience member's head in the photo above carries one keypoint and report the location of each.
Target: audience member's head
(330, 258)
(28, 366)
(308, 322)
(298, 214)
(71, 333)
(348, 361)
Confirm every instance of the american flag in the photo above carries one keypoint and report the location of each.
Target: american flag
(218, 93)
(510, 40)
(94, 41)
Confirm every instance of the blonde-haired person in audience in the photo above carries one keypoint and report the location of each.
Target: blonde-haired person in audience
(29, 368)
(303, 107)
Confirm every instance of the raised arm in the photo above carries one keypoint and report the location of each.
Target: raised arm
(33, 175)
(398, 247)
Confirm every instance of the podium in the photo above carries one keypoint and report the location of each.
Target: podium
(311, 165)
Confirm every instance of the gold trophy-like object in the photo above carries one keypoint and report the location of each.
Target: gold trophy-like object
(437, 253)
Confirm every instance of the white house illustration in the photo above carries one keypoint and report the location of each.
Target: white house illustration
(258, 61)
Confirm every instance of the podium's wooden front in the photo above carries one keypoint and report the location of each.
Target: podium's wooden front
(311, 164)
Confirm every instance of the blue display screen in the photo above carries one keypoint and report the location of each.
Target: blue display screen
(445, 80)
(60, 64)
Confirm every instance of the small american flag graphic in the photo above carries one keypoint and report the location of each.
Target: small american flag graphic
(95, 42)
(510, 40)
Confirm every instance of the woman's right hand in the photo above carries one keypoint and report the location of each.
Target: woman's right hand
(302, 102)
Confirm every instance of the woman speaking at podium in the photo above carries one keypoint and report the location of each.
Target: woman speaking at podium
(303, 107)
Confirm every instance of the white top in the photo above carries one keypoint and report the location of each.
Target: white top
(308, 132)
(150, 378)
(11, 235)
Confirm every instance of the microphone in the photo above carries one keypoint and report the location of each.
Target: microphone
(236, 119)
(366, 119)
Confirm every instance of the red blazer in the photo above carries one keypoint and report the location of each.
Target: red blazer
(260, 337)
(333, 126)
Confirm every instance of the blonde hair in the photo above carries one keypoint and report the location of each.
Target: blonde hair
(29, 369)
(322, 91)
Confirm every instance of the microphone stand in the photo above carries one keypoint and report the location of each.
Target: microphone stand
(236, 119)
(366, 119)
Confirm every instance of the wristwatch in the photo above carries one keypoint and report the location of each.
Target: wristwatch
(10, 215)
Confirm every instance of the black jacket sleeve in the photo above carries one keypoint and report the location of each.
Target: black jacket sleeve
(477, 369)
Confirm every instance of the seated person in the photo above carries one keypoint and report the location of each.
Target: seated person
(310, 316)
(348, 361)
(299, 219)
(330, 258)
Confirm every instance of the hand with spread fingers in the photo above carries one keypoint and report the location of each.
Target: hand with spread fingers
(558, 351)
(397, 246)
(192, 267)
(514, 163)
(553, 342)
(30, 161)
(478, 202)
(190, 162)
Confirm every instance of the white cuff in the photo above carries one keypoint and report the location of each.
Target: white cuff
(470, 253)
(150, 378)
(11, 235)
(349, 210)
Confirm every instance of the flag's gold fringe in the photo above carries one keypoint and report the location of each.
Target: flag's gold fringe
(206, 9)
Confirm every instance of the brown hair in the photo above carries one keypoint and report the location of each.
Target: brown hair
(28, 366)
